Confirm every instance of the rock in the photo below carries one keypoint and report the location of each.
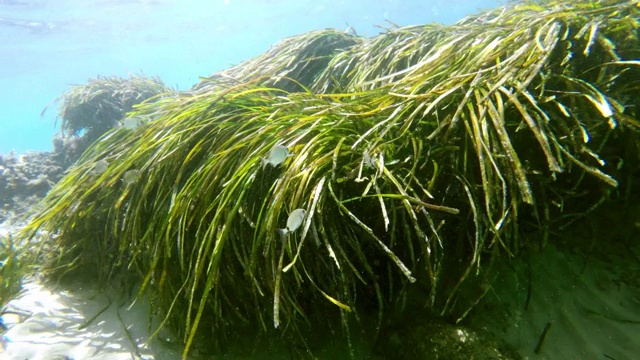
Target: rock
(25, 179)
(431, 338)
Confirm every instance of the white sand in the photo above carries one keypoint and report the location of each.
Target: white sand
(592, 304)
(63, 325)
(51, 323)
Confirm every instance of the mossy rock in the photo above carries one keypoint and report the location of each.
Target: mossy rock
(431, 338)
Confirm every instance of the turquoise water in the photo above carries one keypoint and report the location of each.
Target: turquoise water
(46, 46)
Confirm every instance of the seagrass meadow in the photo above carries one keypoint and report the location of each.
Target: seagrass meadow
(421, 156)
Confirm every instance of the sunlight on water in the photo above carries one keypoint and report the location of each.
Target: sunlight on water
(48, 46)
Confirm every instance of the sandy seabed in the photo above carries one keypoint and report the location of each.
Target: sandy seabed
(78, 324)
(567, 304)
(558, 303)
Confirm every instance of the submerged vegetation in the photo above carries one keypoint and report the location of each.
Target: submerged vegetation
(95, 107)
(88, 111)
(15, 262)
(408, 162)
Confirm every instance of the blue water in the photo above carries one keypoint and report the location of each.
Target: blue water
(46, 46)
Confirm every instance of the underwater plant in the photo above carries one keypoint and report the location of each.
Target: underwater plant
(88, 111)
(15, 263)
(405, 162)
(292, 64)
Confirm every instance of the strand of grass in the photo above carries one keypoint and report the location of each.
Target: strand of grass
(496, 115)
(134, 346)
(308, 220)
(481, 147)
(370, 232)
(477, 239)
(211, 277)
(94, 317)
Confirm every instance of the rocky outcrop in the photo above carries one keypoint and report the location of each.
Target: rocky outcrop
(25, 179)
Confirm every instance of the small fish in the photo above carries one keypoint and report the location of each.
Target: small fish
(131, 176)
(277, 155)
(132, 123)
(368, 160)
(99, 167)
(294, 221)
(351, 30)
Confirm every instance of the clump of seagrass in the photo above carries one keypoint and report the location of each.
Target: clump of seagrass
(293, 64)
(16, 261)
(90, 110)
(416, 154)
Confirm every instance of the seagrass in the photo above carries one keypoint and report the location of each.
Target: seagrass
(419, 156)
(90, 109)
